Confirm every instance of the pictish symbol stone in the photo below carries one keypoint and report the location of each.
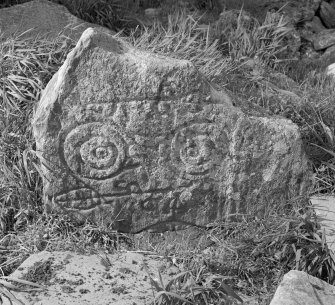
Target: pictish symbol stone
(141, 141)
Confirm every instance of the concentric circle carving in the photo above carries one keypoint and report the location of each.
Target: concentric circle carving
(94, 150)
(193, 148)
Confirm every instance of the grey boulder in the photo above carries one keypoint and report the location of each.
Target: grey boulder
(42, 18)
(324, 39)
(327, 14)
(298, 287)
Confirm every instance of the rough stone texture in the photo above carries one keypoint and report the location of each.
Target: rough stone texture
(324, 39)
(142, 140)
(296, 10)
(298, 288)
(315, 26)
(44, 18)
(327, 14)
(72, 279)
(234, 18)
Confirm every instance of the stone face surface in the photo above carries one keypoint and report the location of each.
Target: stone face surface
(298, 287)
(144, 142)
(41, 17)
(324, 39)
(327, 14)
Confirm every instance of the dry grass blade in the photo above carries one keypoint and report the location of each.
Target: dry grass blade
(12, 298)
(6, 287)
(26, 67)
(250, 39)
(177, 279)
(22, 282)
(153, 282)
(171, 298)
(226, 289)
(161, 280)
(183, 39)
(332, 153)
(105, 261)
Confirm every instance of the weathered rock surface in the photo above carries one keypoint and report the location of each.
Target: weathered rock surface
(72, 279)
(324, 39)
(296, 10)
(234, 18)
(142, 141)
(298, 287)
(315, 26)
(42, 17)
(327, 14)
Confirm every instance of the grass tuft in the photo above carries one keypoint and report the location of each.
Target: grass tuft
(183, 37)
(197, 287)
(26, 67)
(243, 36)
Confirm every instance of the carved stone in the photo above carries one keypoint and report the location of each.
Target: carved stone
(144, 142)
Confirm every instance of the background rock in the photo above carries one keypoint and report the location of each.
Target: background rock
(296, 10)
(144, 142)
(299, 10)
(327, 14)
(324, 39)
(42, 17)
(298, 287)
(315, 25)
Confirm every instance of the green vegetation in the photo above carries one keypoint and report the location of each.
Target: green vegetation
(240, 54)
(184, 289)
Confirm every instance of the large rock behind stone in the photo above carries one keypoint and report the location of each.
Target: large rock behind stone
(143, 141)
(327, 14)
(316, 25)
(296, 10)
(324, 39)
(41, 17)
(298, 287)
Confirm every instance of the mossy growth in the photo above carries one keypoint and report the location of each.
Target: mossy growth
(41, 272)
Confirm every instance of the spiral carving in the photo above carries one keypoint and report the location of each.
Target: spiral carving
(94, 150)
